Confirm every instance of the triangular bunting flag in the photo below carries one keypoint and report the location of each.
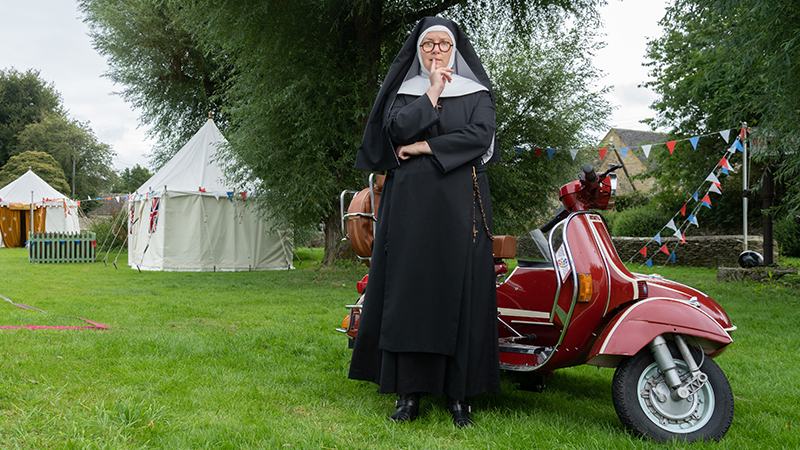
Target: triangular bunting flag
(738, 146)
(724, 163)
(724, 171)
(683, 210)
(725, 135)
(683, 238)
(712, 178)
(649, 262)
(538, 152)
(550, 153)
(664, 249)
(672, 256)
(624, 151)
(695, 195)
(646, 150)
(693, 220)
(706, 201)
(643, 251)
(694, 141)
(603, 152)
(657, 238)
(671, 146)
(574, 153)
(715, 189)
(677, 233)
(671, 225)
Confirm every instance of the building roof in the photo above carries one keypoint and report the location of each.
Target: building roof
(635, 138)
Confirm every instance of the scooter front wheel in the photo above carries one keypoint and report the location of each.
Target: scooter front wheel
(644, 405)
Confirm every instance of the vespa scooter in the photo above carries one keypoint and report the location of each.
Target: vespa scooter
(571, 301)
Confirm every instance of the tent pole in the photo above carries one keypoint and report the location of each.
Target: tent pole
(31, 224)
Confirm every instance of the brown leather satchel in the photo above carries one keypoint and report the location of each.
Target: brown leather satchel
(362, 218)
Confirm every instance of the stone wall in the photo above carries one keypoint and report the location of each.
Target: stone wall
(698, 251)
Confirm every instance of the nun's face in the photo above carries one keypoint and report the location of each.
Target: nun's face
(442, 58)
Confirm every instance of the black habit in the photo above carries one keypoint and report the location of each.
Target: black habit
(429, 318)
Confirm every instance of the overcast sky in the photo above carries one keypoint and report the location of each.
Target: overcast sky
(50, 36)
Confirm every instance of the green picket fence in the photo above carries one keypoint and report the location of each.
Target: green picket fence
(61, 247)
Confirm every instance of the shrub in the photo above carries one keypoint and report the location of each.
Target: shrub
(628, 201)
(642, 221)
(787, 233)
(111, 233)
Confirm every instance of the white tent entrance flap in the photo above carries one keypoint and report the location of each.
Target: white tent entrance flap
(191, 221)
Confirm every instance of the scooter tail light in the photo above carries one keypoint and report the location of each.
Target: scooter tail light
(584, 288)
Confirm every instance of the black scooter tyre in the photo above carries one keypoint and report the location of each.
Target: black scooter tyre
(704, 417)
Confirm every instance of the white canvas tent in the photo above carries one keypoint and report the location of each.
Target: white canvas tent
(59, 212)
(185, 218)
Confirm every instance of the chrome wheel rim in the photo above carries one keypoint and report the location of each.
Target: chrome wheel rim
(675, 416)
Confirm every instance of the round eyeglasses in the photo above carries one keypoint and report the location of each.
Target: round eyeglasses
(444, 46)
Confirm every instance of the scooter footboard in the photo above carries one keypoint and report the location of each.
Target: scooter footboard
(634, 328)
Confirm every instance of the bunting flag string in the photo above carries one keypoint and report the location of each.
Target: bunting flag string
(714, 186)
(646, 148)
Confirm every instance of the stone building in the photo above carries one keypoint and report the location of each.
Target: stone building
(635, 161)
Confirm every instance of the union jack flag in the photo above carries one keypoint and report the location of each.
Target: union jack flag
(154, 215)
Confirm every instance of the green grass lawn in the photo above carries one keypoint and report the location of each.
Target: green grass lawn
(252, 360)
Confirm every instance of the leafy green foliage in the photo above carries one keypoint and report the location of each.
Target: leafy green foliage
(639, 222)
(787, 233)
(111, 232)
(131, 179)
(24, 99)
(160, 66)
(634, 199)
(543, 84)
(296, 81)
(76, 148)
(42, 164)
(720, 62)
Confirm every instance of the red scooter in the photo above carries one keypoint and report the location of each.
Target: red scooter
(571, 301)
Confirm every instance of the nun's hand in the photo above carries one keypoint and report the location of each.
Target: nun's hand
(439, 76)
(417, 148)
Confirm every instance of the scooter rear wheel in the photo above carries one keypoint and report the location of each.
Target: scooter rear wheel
(643, 404)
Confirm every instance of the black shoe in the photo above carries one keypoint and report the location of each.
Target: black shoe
(460, 411)
(407, 408)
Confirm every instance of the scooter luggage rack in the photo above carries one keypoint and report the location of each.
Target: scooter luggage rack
(344, 216)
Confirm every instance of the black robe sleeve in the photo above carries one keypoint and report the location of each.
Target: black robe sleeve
(458, 133)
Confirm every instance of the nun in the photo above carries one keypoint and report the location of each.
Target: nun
(429, 321)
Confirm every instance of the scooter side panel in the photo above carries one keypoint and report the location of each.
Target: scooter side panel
(581, 317)
(632, 330)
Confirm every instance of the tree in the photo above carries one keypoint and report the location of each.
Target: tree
(159, 63)
(300, 79)
(131, 179)
(85, 160)
(24, 99)
(545, 98)
(721, 62)
(42, 164)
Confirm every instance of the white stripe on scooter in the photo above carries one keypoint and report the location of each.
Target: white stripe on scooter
(627, 311)
(523, 313)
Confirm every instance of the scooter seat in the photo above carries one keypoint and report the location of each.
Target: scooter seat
(534, 264)
(504, 247)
